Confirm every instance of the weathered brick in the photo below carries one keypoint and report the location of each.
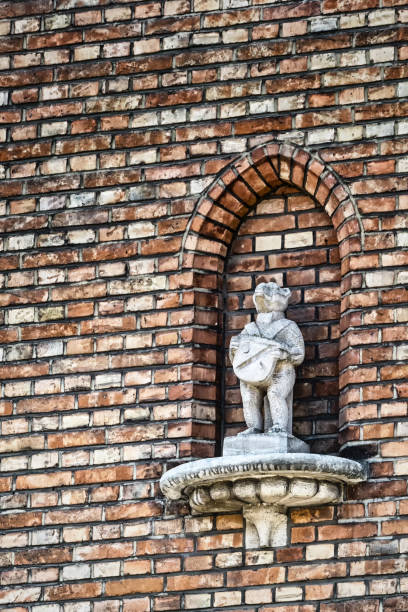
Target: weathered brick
(104, 209)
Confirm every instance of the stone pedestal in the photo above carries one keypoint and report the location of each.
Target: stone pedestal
(255, 444)
(262, 485)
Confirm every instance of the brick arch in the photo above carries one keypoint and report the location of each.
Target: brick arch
(215, 220)
(252, 177)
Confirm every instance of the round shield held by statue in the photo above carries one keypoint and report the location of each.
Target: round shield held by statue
(255, 360)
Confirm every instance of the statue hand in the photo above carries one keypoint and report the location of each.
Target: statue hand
(279, 351)
(281, 354)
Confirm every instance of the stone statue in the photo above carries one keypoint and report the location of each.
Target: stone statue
(264, 356)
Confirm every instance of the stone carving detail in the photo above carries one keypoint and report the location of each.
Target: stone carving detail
(283, 491)
(264, 502)
(264, 356)
(264, 486)
(265, 469)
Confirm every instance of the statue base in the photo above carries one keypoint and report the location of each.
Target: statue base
(263, 486)
(261, 444)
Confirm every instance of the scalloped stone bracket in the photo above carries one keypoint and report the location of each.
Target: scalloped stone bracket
(264, 502)
(266, 525)
(263, 487)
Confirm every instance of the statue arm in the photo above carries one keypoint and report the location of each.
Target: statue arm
(293, 344)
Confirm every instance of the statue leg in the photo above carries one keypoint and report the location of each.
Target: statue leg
(279, 396)
(252, 401)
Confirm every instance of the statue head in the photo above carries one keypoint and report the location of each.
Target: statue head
(269, 297)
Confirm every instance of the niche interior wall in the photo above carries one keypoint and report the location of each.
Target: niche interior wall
(138, 141)
(306, 259)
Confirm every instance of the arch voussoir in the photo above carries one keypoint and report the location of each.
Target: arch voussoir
(267, 172)
(272, 149)
(242, 164)
(224, 216)
(349, 228)
(262, 171)
(343, 211)
(216, 190)
(341, 194)
(228, 176)
(311, 181)
(233, 204)
(204, 226)
(301, 160)
(323, 191)
(283, 162)
(285, 168)
(252, 178)
(241, 190)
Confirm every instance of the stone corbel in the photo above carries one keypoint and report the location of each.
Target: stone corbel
(264, 488)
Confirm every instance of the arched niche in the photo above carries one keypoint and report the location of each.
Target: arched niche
(288, 238)
(210, 232)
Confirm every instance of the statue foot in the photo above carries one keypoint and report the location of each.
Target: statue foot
(249, 431)
(276, 429)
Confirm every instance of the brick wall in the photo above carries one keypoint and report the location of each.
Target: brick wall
(158, 159)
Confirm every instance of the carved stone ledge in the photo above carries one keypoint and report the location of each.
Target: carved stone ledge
(284, 492)
(263, 487)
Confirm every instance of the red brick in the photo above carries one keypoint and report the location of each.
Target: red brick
(24, 371)
(45, 404)
(198, 58)
(112, 32)
(323, 118)
(55, 517)
(317, 572)
(20, 78)
(103, 474)
(104, 551)
(41, 481)
(189, 582)
(32, 7)
(42, 41)
(83, 71)
(17, 521)
(70, 439)
(289, 84)
(302, 534)
(367, 605)
(256, 577)
(134, 586)
(36, 149)
(341, 532)
(254, 126)
(166, 546)
(73, 591)
(169, 99)
(43, 556)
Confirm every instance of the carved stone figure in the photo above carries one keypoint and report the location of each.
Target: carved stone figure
(264, 356)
